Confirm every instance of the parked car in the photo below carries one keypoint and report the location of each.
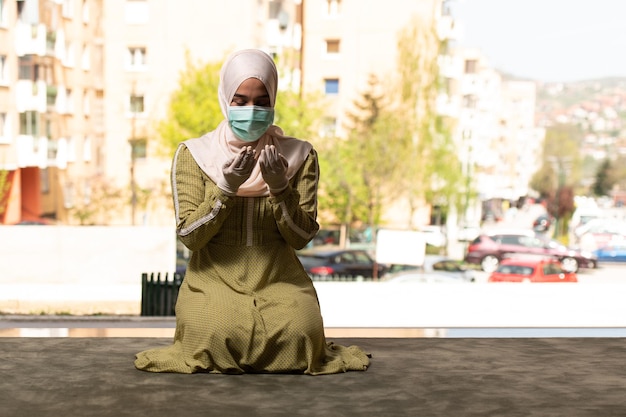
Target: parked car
(433, 267)
(613, 251)
(531, 270)
(339, 262)
(488, 250)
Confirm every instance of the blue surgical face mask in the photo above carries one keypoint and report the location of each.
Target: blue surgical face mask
(249, 123)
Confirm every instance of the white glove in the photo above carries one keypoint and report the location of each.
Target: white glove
(237, 171)
(274, 169)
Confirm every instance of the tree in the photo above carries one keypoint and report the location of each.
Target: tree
(193, 108)
(433, 171)
(604, 180)
(559, 175)
(5, 185)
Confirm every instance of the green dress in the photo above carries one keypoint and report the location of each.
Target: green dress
(246, 304)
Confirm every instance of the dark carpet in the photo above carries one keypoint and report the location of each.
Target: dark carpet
(566, 377)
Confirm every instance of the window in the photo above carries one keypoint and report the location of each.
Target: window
(328, 127)
(470, 101)
(136, 104)
(4, 71)
(138, 148)
(332, 46)
(51, 95)
(136, 58)
(69, 58)
(69, 101)
(85, 58)
(471, 66)
(136, 12)
(67, 8)
(333, 8)
(87, 149)
(28, 69)
(3, 13)
(85, 11)
(331, 86)
(4, 128)
(30, 123)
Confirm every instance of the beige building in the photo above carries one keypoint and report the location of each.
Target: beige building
(84, 82)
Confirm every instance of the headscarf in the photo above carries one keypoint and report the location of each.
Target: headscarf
(215, 148)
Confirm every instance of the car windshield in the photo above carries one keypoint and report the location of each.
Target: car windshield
(515, 269)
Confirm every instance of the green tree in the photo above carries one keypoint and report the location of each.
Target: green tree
(4, 190)
(193, 108)
(604, 180)
(558, 177)
(433, 172)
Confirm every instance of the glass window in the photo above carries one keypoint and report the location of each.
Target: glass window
(4, 128)
(4, 71)
(332, 46)
(136, 104)
(331, 86)
(471, 66)
(136, 57)
(3, 15)
(28, 70)
(333, 7)
(30, 123)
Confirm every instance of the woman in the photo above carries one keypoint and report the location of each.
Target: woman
(245, 196)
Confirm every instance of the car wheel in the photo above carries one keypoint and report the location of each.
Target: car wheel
(489, 263)
(569, 264)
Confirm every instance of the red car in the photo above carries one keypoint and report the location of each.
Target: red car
(531, 270)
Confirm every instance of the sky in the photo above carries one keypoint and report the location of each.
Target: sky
(547, 40)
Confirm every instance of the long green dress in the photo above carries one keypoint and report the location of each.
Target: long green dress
(246, 304)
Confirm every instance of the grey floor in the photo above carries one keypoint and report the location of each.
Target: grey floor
(566, 377)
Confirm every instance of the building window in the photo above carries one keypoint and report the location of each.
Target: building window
(3, 13)
(85, 11)
(333, 8)
(332, 46)
(28, 69)
(87, 149)
(471, 66)
(86, 58)
(4, 128)
(136, 104)
(136, 58)
(331, 86)
(470, 101)
(138, 148)
(328, 128)
(4, 71)
(30, 123)
(136, 12)
(67, 8)
(69, 58)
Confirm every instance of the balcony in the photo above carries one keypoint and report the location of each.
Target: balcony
(30, 39)
(31, 96)
(32, 151)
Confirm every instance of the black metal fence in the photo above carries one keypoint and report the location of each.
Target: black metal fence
(159, 293)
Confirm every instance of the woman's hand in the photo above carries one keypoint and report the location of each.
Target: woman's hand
(237, 171)
(274, 169)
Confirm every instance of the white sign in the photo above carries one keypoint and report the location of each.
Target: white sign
(400, 247)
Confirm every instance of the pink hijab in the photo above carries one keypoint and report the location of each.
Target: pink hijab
(215, 148)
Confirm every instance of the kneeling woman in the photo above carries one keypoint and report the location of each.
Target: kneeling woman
(245, 198)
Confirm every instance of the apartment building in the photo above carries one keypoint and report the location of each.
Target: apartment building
(51, 92)
(496, 136)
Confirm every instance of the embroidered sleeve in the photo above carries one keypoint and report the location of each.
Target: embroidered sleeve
(200, 210)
